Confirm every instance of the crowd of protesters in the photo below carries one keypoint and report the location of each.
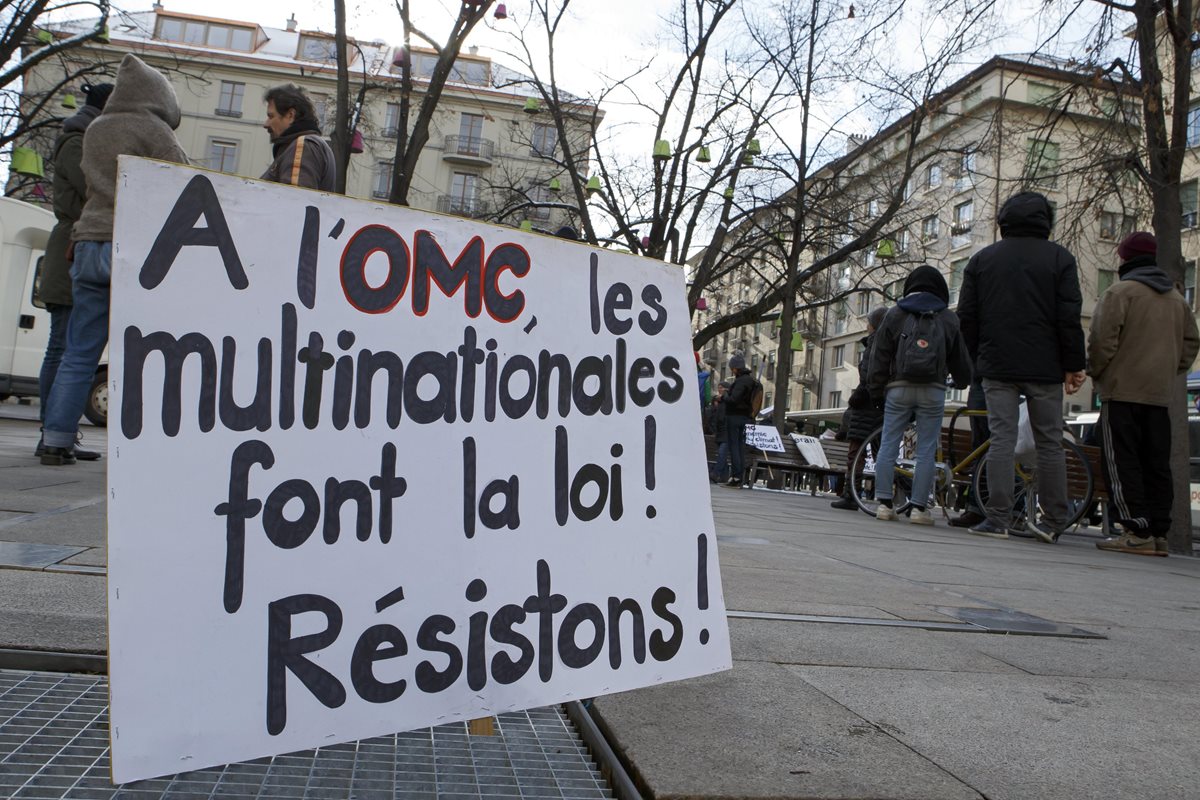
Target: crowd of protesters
(1016, 337)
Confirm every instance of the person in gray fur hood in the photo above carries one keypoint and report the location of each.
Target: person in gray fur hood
(139, 120)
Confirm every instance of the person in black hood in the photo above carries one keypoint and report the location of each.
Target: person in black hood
(1143, 337)
(862, 416)
(70, 192)
(1020, 311)
(917, 343)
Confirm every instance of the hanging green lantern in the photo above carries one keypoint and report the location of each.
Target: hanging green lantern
(45, 37)
(886, 249)
(526, 226)
(753, 147)
(593, 184)
(797, 341)
(704, 155)
(662, 150)
(532, 105)
(26, 161)
(69, 101)
(728, 192)
(748, 158)
(555, 185)
(103, 35)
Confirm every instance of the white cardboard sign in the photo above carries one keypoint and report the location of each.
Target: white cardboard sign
(810, 448)
(373, 469)
(764, 437)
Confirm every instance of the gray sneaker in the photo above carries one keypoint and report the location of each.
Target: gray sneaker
(885, 513)
(989, 528)
(1043, 531)
(920, 516)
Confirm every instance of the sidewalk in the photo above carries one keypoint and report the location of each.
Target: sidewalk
(879, 672)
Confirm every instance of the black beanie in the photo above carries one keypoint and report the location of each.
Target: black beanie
(927, 279)
(97, 94)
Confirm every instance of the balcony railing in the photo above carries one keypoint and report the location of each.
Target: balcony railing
(469, 149)
(462, 206)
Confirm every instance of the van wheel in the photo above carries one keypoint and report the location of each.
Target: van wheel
(97, 403)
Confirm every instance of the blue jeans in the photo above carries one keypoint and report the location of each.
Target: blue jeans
(55, 345)
(735, 438)
(721, 471)
(904, 404)
(87, 335)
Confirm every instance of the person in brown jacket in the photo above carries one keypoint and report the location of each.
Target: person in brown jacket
(302, 156)
(1143, 336)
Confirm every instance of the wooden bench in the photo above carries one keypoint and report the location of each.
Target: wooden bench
(791, 471)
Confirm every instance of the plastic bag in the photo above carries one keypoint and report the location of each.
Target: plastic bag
(1026, 447)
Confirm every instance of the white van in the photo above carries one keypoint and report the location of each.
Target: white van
(24, 322)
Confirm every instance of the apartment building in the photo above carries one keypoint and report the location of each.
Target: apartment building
(1014, 123)
(491, 152)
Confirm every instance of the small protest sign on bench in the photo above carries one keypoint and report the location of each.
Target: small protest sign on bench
(764, 437)
(373, 469)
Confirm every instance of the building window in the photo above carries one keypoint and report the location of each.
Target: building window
(964, 219)
(317, 48)
(223, 155)
(1104, 279)
(470, 134)
(902, 241)
(1193, 124)
(895, 290)
(1115, 226)
(464, 193)
(908, 188)
(864, 303)
(839, 356)
(1189, 283)
(842, 320)
(966, 171)
(933, 176)
(230, 104)
(473, 72)
(542, 194)
(872, 209)
(835, 399)
(391, 120)
(381, 189)
(1042, 94)
(1042, 167)
(1187, 199)
(545, 140)
(956, 278)
(930, 229)
(225, 37)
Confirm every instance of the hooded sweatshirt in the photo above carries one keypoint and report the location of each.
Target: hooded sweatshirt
(70, 191)
(1020, 302)
(1143, 335)
(139, 120)
(925, 292)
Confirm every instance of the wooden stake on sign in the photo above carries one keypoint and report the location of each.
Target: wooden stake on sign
(484, 726)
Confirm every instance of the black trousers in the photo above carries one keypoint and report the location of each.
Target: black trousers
(1136, 440)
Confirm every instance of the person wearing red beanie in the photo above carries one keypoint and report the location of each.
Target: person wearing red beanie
(1143, 335)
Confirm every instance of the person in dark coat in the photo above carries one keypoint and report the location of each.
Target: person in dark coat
(301, 156)
(914, 390)
(54, 289)
(720, 472)
(1020, 311)
(862, 417)
(738, 413)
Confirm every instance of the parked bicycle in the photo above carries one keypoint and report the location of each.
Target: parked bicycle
(954, 476)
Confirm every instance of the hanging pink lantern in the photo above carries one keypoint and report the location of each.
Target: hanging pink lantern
(701, 304)
(39, 192)
(400, 60)
(645, 242)
(356, 143)
(501, 11)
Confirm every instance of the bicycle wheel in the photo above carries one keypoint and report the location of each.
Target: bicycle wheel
(1080, 484)
(862, 485)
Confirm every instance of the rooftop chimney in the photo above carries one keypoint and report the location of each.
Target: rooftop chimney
(291, 23)
(157, 6)
(473, 49)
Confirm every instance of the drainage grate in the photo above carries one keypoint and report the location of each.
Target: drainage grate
(54, 746)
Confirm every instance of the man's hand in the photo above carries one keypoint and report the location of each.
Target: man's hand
(1073, 381)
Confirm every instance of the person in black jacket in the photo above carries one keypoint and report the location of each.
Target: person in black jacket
(862, 417)
(720, 471)
(1020, 307)
(918, 342)
(737, 416)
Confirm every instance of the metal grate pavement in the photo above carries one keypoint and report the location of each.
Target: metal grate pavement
(54, 746)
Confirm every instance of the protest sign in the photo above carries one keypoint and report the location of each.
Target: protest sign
(810, 448)
(764, 437)
(373, 469)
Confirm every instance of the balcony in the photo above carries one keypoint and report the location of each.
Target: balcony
(462, 206)
(469, 150)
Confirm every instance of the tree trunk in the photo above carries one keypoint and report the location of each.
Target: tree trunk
(341, 127)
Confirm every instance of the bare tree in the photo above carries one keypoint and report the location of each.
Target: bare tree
(411, 139)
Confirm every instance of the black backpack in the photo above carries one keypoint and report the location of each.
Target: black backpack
(921, 349)
(756, 399)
